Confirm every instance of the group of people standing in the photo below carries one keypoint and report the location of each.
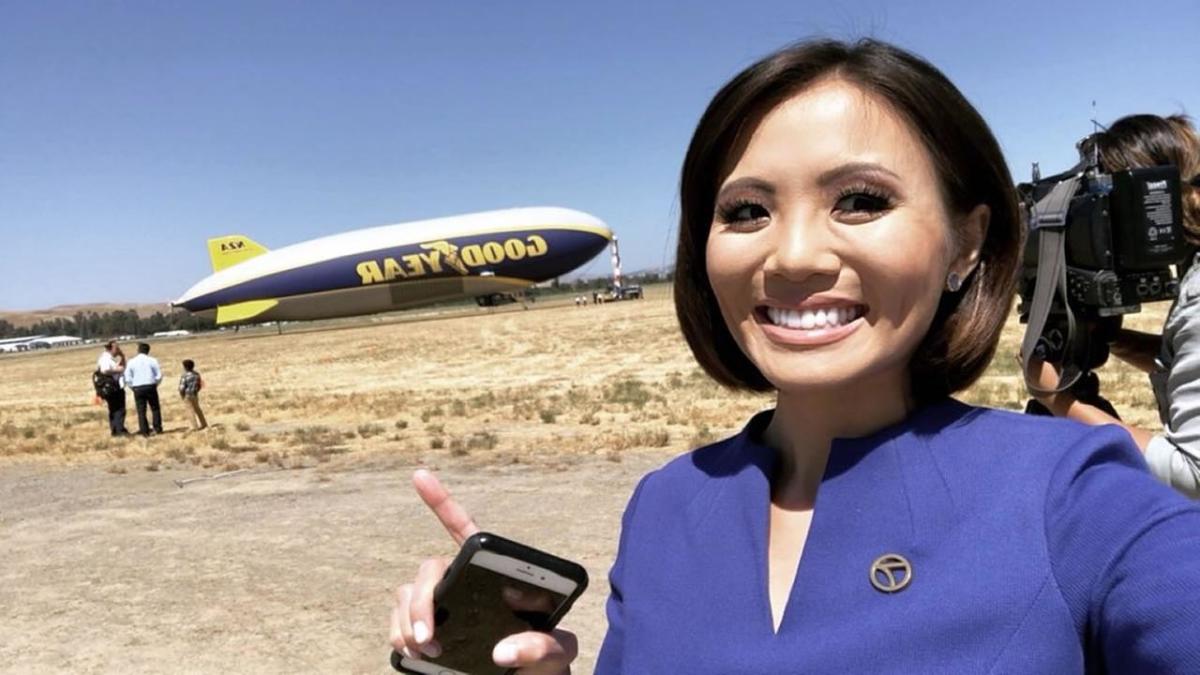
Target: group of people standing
(142, 374)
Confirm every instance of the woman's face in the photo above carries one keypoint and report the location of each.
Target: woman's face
(830, 243)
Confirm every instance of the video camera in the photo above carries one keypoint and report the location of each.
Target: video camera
(1099, 245)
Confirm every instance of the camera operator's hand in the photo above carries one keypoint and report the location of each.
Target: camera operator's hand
(1138, 349)
(531, 652)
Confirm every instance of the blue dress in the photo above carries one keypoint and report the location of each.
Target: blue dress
(1035, 545)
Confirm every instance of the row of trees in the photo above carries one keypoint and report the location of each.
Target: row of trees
(601, 283)
(89, 325)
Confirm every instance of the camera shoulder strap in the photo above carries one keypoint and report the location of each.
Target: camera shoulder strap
(1048, 219)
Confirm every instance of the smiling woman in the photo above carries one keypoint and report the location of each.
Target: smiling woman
(849, 241)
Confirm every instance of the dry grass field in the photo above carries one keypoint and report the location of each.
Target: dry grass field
(541, 420)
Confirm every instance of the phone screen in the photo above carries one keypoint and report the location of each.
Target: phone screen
(495, 596)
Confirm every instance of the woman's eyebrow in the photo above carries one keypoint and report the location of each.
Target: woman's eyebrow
(747, 182)
(839, 173)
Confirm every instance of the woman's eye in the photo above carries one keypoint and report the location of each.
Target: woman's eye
(862, 203)
(744, 213)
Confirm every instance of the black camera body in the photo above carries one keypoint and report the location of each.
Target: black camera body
(1120, 236)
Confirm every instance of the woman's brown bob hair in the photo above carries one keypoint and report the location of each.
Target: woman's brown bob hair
(970, 169)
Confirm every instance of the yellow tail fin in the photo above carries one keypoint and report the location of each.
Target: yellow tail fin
(231, 250)
(243, 310)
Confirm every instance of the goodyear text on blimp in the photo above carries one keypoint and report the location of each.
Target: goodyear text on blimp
(437, 256)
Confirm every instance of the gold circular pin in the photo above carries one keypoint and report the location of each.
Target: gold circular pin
(891, 573)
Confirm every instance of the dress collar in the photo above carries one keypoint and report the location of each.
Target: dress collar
(925, 421)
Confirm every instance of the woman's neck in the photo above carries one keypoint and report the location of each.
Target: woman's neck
(806, 422)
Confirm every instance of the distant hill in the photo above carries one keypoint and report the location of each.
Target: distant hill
(22, 318)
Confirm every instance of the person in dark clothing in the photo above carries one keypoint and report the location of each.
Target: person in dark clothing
(112, 364)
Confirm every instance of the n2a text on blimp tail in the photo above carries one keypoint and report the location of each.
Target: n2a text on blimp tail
(232, 249)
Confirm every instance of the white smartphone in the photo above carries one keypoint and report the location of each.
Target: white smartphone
(494, 588)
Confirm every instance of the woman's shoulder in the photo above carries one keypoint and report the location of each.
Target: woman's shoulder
(1032, 443)
(1049, 460)
(1022, 431)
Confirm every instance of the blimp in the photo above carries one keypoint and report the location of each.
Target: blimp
(381, 269)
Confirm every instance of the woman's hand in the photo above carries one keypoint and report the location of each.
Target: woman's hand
(533, 653)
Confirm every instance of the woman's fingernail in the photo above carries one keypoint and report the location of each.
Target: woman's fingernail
(432, 650)
(421, 632)
(505, 654)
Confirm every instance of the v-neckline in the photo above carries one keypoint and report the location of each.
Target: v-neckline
(844, 454)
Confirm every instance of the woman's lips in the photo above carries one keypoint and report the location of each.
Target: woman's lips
(811, 325)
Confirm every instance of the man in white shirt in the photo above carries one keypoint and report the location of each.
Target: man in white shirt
(143, 374)
(112, 364)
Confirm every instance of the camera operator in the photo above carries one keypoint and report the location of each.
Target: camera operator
(1172, 359)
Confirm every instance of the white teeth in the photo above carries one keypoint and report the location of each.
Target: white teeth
(809, 319)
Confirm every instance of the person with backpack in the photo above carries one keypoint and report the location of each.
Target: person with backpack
(190, 384)
(109, 382)
(143, 375)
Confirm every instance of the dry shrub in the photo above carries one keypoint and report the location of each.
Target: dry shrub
(485, 400)
(271, 457)
(316, 436)
(242, 426)
(628, 392)
(702, 436)
(371, 429)
(209, 459)
(322, 453)
(484, 440)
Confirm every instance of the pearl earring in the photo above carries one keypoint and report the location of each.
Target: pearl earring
(953, 282)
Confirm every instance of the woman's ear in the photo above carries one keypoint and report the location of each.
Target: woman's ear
(972, 233)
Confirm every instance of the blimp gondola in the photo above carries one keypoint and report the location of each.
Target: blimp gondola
(381, 269)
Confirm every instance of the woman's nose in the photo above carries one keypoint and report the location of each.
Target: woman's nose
(803, 247)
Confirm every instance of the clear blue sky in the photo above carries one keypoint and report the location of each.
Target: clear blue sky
(130, 132)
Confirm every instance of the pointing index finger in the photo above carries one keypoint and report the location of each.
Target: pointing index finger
(453, 517)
